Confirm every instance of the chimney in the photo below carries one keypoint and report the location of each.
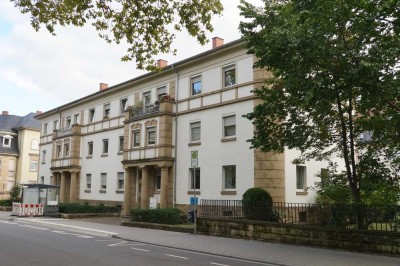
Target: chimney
(39, 112)
(4, 113)
(217, 42)
(161, 63)
(103, 86)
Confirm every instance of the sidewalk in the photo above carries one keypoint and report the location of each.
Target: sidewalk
(277, 254)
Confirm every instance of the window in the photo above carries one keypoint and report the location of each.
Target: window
(88, 181)
(58, 150)
(157, 180)
(7, 141)
(103, 185)
(229, 173)
(76, 118)
(161, 92)
(68, 122)
(194, 178)
(55, 124)
(151, 136)
(195, 84)
(195, 131)
(123, 103)
(106, 112)
(11, 170)
(90, 148)
(45, 126)
(324, 176)
(33, 166)
(147, 98)
(42, 180)
(136, 138)
(66, 149)
(120, 180)
(229, 74)
(91, 115)
(43, 156)
(105, 146)
(301, 177)
(229, 126)
(35, 144)
(121, 144)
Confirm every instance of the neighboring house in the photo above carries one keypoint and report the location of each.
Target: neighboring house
(19, 150)
(130, 144)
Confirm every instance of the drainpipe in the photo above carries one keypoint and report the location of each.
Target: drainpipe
(176, 135)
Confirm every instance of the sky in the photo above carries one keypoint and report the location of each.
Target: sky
(39, 72)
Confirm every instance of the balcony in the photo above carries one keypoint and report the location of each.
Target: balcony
(68, 131)
(142, 111)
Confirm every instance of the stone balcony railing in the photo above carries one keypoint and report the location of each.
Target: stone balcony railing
(75, 129)
(158, 108)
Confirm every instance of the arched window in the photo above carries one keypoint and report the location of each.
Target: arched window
(35, 144)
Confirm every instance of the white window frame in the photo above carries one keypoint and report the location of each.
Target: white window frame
(92, 113)
(58, 150)
(76, 118)
(44, 156)
(301, 177)
(45, 128)
(7, 141)
(134, 143)
(67, 151)
(226, 70)
(191, 179)
(106, 147)
(194, 80)
(103, 181)
(121, 144)
(120, 177)
(149, 130)
(161, 91)
(88, 181)
(68, 122)
(55, 124)
(90, 150)
(33, 166)
(195, 125)
(106, 110)
(146, 98)
(224, 179)
(122, 105)
(35, 145)
(224, 125)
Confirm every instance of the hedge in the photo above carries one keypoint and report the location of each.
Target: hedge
(159, 216)
(81, 208)
(5, 202)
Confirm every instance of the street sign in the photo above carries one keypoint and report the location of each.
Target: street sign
(194, 155)
(194, 201)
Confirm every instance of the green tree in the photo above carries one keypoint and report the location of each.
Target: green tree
(15, 193)
(335, 66)
(146, 26)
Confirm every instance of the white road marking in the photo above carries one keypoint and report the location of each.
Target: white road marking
(101, 240)
(61, 232)
(33, 227)
(7, 222)
(179, 257)
(84, 236)
(145, 250)
(214, 263)
(117, 244)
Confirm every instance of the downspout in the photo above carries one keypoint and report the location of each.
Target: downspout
(176, 134)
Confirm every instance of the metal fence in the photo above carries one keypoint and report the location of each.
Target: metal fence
(366, 217)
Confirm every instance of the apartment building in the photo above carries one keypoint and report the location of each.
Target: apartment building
(19, 150)
(131, 144)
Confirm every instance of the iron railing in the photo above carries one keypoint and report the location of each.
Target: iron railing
(365, 217)
(143, 110)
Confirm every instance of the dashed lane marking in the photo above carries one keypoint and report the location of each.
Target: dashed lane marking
(33, 227)
(84, 236)
(214, 263)
(145, 250)
(7, 222)
(174, 256)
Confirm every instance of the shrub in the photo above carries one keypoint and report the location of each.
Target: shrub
(160, 216)
(81, 208)
(5, 202)
(257, 204)
(15, 193)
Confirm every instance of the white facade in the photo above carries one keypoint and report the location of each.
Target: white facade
(210, 94)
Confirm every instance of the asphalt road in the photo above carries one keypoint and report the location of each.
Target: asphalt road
(23, 244)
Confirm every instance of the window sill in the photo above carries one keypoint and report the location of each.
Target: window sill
(120, 153)
(191, 192)
(303, 193)
(194, 143)
(102, 191)
(119, 191)
(228, 139)
(228, 192)
(87, 191)
(104, 155)
(89, 157)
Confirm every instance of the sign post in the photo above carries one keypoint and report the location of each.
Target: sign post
(194, 158)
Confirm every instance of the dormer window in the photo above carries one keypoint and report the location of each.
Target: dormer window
(7, 141)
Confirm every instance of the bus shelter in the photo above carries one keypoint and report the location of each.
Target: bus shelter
(37, 200)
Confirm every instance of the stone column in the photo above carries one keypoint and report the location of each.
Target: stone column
(144, 194)
(164, 187)
(62, 188)
(72, 187)
(127, 192)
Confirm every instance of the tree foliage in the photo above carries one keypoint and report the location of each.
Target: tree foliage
(335, 66)
(146, 26)
(16, 193)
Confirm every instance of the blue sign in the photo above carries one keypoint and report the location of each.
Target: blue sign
(194, 201)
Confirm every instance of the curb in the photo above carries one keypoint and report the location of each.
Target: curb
(76, 229)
